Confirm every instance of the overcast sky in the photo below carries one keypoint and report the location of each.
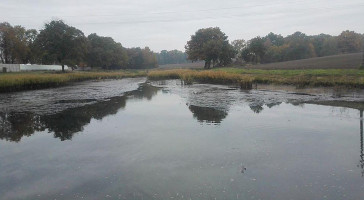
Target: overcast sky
(168, 24)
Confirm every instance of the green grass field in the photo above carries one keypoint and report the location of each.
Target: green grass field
(341, 61)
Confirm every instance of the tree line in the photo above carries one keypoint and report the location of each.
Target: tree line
(276, 48)
(59, 43)
(213, 46)
(171, 57)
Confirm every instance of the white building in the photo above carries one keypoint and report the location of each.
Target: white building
(28, 67)
(9, 68)
(42, 67)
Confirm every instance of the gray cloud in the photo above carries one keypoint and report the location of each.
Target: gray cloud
(162, 24)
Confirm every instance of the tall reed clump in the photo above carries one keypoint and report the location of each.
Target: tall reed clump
(214, 77)
(26, 81)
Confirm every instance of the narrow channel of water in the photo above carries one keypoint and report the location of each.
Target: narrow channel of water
(126, 139)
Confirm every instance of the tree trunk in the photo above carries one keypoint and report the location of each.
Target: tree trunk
(62, 67)
(6, 56)
(207, 64)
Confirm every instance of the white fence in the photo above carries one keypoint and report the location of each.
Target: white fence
(42, 67)
(23, 67)
(9, 68)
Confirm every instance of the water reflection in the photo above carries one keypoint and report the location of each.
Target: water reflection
(361, 162)
(256, 108)
(206, 114)
(14, 126)
(152, 151)
(65, 124)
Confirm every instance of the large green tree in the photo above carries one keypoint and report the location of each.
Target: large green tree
(300, 47)
(141, 58)
(238, 45)
(62, 44)
(15, 43)
(273, 39)
(106, 53)
(210, 45)
(7, 36)
(349, 42)
(255, 50)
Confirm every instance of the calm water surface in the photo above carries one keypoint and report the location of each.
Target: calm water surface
(130, 140)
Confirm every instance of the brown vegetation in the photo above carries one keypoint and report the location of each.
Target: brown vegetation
(246, 78)
(26, 81)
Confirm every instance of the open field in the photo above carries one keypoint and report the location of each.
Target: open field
(297, 72)
(194, 65)
(342, 61)
(35, 80)
(245, 78)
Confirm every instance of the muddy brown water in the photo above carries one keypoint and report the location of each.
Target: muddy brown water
(127, 139)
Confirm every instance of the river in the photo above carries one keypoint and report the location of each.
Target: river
(128, 139)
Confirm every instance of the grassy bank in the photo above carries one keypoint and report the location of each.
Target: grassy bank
(10, 82)
(246, 77)
(202, 76)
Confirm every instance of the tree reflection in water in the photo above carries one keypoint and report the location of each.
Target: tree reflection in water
(361, 162)
(14, 126)
(256, 108)
(206, 114)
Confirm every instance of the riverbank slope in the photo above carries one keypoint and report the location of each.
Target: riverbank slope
(11, 82)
